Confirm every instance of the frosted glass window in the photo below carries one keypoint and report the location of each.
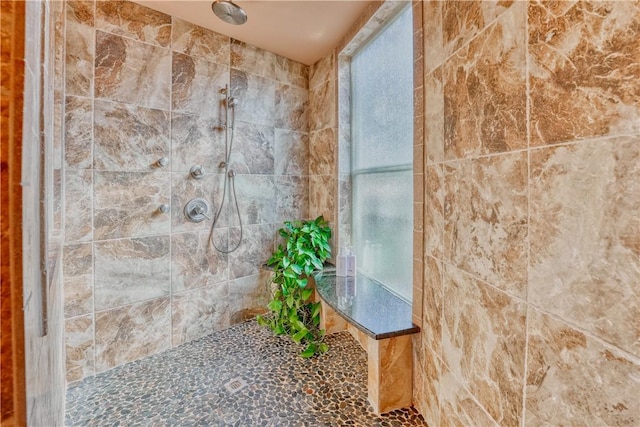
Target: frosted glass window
(382, 156)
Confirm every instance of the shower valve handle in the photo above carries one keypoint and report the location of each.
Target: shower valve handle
(200, 210)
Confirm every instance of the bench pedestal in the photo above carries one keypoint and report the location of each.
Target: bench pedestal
(389, 362)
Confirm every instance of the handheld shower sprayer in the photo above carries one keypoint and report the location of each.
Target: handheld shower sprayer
(229, 103)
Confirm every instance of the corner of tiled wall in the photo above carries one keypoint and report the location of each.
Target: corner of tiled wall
(138, 281)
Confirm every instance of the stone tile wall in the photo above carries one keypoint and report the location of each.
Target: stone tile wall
(531, 268)
(527, 140)
(141, 85)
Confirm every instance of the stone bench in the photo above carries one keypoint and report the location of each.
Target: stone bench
(381, 322)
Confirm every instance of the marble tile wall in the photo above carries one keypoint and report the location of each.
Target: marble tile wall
(527, 136)
(530, 309)
(141, 85)
(324, 177)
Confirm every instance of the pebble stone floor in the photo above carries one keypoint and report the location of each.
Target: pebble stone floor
(185, 386)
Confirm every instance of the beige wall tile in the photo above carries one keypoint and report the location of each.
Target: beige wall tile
(132, 332)
(572, 378)
(199, 42)
(483, 343)
(481, 115)
(199, 312)
(132, 72)
(131, 270)
(585, 222)
(129, 138)
(80, 349)
(570, 97)
(134, 21)
(486, 219)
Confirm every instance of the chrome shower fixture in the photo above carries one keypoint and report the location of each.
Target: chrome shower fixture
(229, 12)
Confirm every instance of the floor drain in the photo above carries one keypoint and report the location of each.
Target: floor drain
(235, 385)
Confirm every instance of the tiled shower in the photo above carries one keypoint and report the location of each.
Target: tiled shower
(140, 86)
(526, 256)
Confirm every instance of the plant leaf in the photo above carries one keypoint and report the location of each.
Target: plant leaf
(306, 294)
(309, 351)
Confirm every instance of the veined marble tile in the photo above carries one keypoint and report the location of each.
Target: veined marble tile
(199, 42)
(253, 148)
(78, 132)
(77, 267)
(572, 379)
(292, 197)
(135, 21)
(256, 248)
(248, 296)
(321, 71)
(343, 79)
(196, 85)
(292, 108)
(427, 373)
(131, 270)
(199, 312)
(322, 148)
(344, 149)
(485, 90)
(129, 138)
(78, 206)
(256, 98)
(195, 263)
(486, 219)
(432, 304)
(434, 53)
(126, 204)
(322, 106)
(291, 72)
(483, 343)
(434, 116)
(195, 140)
(132, 332)
(80, 348)
(584, 69)
(585, 222)
(79, 49)
(344, 199)
(322, 196)
(463, 20)
(291, 152)
(458, 407)
(256, 199)
(253, 60)
(210, 188)
(434, 211)
(132, 72)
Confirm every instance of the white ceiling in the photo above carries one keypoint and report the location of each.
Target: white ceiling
(302, 30)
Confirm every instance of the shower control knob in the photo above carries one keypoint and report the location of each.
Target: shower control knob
(164, 208)
(162, 161)
(196, 210)
(196, 172)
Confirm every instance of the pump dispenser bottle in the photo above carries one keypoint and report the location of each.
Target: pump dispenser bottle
(351, 262)
(341, 262)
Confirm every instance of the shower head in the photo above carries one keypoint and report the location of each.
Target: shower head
(229, 12)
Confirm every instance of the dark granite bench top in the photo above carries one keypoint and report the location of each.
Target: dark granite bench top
(366, 304)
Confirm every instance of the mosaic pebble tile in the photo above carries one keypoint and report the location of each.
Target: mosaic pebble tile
(185, 386)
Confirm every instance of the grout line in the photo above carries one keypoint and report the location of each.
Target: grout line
(171, 207)
(555, 316)
(93, 180)
(528, 255)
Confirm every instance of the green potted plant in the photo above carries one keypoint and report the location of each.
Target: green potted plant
(291, 310)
